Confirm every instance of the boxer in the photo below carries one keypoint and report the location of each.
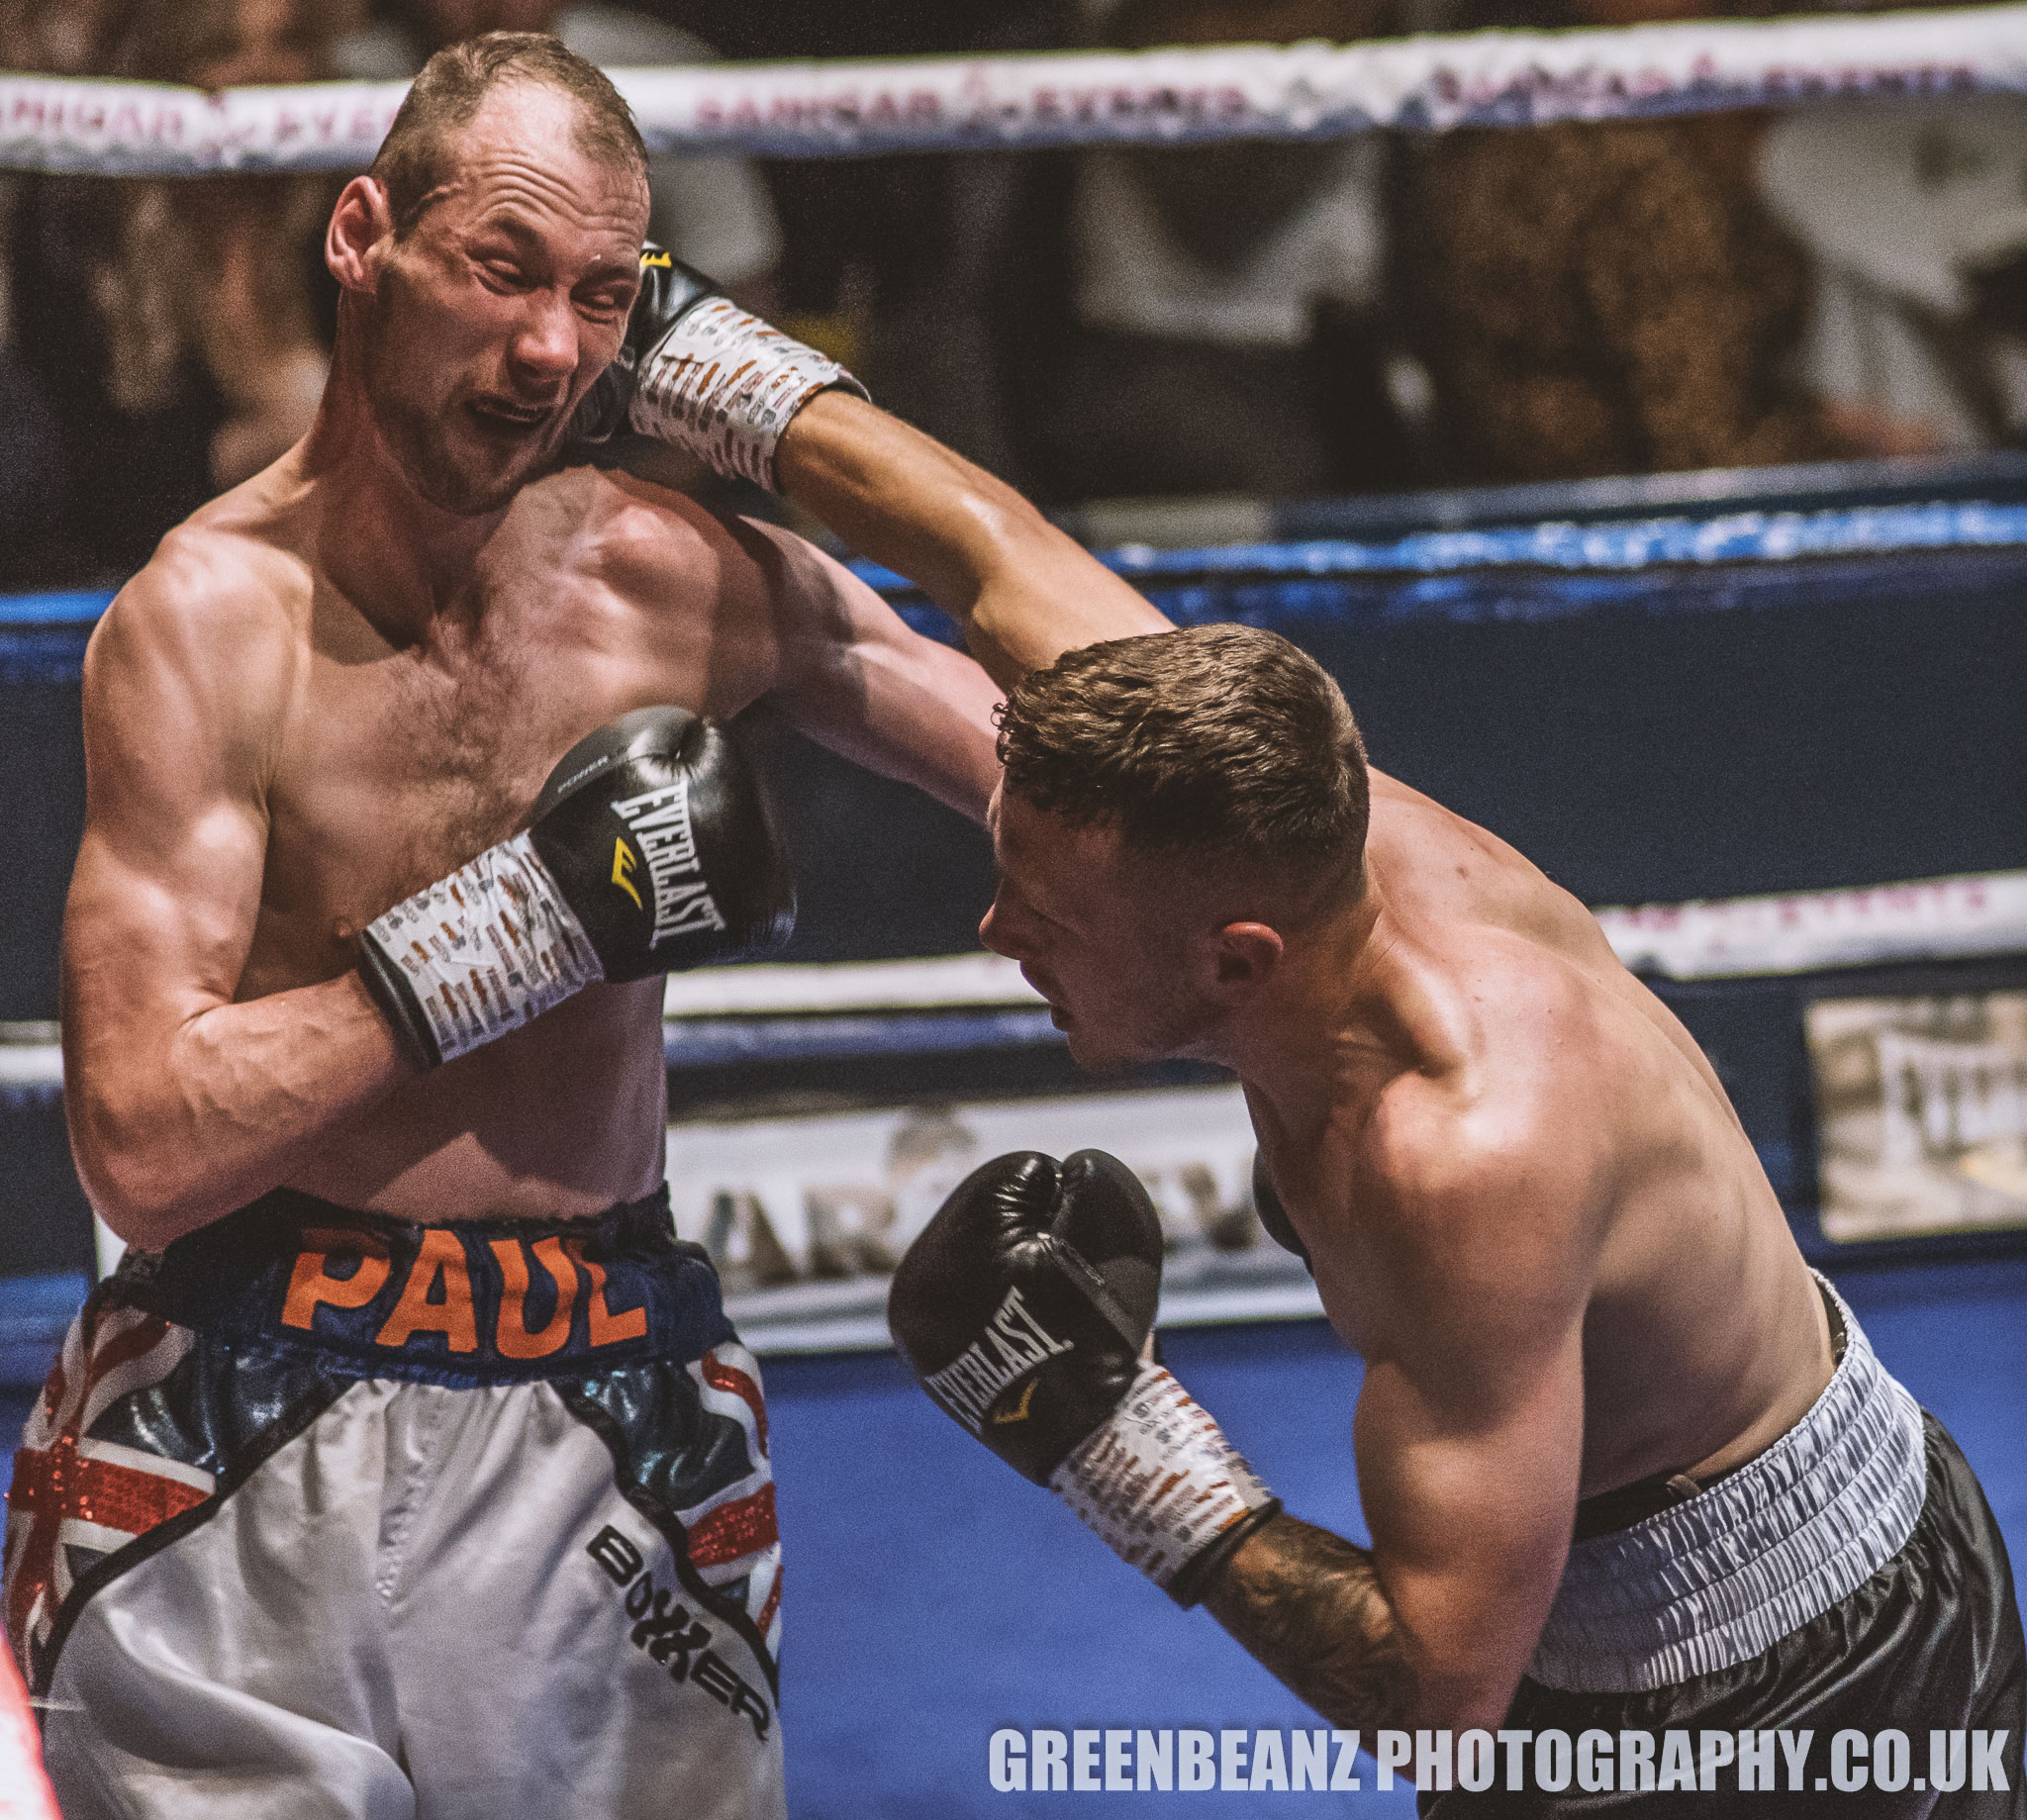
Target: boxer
(408, 1465)
(1627, 1464)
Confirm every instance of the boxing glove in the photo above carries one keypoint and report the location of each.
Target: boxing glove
(652, 848)
(1025, 1309)
(701, 373)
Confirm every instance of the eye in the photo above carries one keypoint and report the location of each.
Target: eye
(504, 275)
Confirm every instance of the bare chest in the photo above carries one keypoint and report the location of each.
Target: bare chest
(399, 765)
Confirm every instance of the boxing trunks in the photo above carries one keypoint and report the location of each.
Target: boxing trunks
(332, 1515)
(1850, 1577)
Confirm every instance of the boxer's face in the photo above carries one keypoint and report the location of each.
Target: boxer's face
(506, 300)
(1110, 940)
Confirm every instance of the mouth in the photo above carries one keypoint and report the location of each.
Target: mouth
(509, 416)
(1057, 1014)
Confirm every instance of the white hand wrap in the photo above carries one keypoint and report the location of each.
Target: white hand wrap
(724, 385)
(1159, 1482)
(488, 947)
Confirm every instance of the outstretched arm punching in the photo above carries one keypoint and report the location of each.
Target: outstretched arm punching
(700, 374)
(1024, 591)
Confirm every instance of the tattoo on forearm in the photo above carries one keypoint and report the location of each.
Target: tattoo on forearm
(1310, 1608)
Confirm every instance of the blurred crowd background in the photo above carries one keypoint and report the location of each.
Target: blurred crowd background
(1275, 321)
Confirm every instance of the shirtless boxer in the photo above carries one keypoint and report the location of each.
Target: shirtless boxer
(1627, 1464)
(408, 1465)
(1628, 1467)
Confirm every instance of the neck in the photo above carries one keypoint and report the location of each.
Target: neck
(400, 559)
(1323, 1018)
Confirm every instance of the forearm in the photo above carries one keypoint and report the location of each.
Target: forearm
(170, 1136)
(1309, 1606)
(1022, 591)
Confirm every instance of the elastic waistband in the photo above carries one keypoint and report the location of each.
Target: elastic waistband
(463, 1302)
(1723, 1576)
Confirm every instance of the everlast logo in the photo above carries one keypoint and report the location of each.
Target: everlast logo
(1017, 1343)
(659, 821)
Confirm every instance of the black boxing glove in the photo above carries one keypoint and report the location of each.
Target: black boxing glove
(1025, 1309)
(652, 848)
(701, 374)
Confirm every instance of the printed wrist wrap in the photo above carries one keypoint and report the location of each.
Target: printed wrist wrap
(724, 385)
(485, 948)
(1163, 1486)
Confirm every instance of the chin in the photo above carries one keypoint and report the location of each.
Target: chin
(1097, 1057)
(470, 494)
(465, 476)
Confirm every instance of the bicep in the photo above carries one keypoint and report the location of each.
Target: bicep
(166, 887)
(858, 680)
(1469, 1437)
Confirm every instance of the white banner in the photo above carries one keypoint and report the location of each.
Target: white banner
(1928, 920)
(837, 108)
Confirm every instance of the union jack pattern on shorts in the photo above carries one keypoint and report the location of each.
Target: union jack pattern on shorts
(75, 1499)
(733, 1534)
(184, 1374)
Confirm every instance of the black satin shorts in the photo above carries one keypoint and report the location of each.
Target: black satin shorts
(1931, 1642)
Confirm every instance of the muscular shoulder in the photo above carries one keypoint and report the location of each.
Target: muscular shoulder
(655, 546)
(209, 635)
(1488, 1152)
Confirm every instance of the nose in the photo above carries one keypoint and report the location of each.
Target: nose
(993, 933)
(544, 345)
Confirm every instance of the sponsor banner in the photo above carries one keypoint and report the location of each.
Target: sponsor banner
(1921, 1112)
(1312, 91)
(1925, 919)
(1919, 919)
(807, 1216)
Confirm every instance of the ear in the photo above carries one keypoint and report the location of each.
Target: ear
(1246, 956)
(362, 226)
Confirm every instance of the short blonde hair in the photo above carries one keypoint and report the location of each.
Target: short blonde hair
(452, 86)
(1219, 740)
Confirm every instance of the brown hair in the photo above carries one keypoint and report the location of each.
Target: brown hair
(1220, 739)
(454, 85)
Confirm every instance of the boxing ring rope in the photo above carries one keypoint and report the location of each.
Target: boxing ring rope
(840, 1009)
(1011, 102)
(42, 633)
(946, 1004)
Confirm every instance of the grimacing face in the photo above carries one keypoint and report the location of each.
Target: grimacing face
(1106, 939)
(505, 302)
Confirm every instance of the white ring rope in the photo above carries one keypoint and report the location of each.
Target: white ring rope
(822, 109)
(1973, 916)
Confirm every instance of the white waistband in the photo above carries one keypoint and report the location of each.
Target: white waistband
(1723, 1576)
